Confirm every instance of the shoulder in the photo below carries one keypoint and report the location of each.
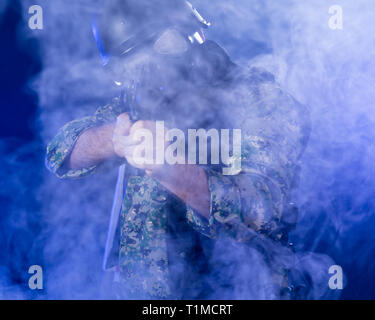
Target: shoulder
(260, 92)
(261, 107)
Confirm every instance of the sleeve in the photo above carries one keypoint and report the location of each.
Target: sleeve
(256, 202)
(62, 144)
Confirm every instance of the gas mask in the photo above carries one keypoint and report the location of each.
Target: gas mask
(147, 61)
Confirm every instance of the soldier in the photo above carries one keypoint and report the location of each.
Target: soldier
(175, 220)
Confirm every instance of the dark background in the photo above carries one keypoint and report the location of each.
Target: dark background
(20, 150)
(22, 165)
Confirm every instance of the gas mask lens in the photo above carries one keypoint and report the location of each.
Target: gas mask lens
(139, 60)
(170, 42)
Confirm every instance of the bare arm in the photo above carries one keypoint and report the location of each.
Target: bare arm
(92, 147)
(188, 182)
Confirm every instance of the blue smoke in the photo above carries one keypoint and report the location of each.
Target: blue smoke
(61, 225)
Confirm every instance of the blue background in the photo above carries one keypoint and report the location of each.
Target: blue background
(22, 169)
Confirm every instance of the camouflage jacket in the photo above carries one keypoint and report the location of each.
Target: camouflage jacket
(252, 208)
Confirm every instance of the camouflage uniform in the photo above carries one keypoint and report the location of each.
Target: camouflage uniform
(252, 207)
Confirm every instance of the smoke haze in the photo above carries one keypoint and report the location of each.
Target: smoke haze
(330, 71)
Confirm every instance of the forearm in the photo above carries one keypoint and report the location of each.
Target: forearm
(92, 147)
(189, 183)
